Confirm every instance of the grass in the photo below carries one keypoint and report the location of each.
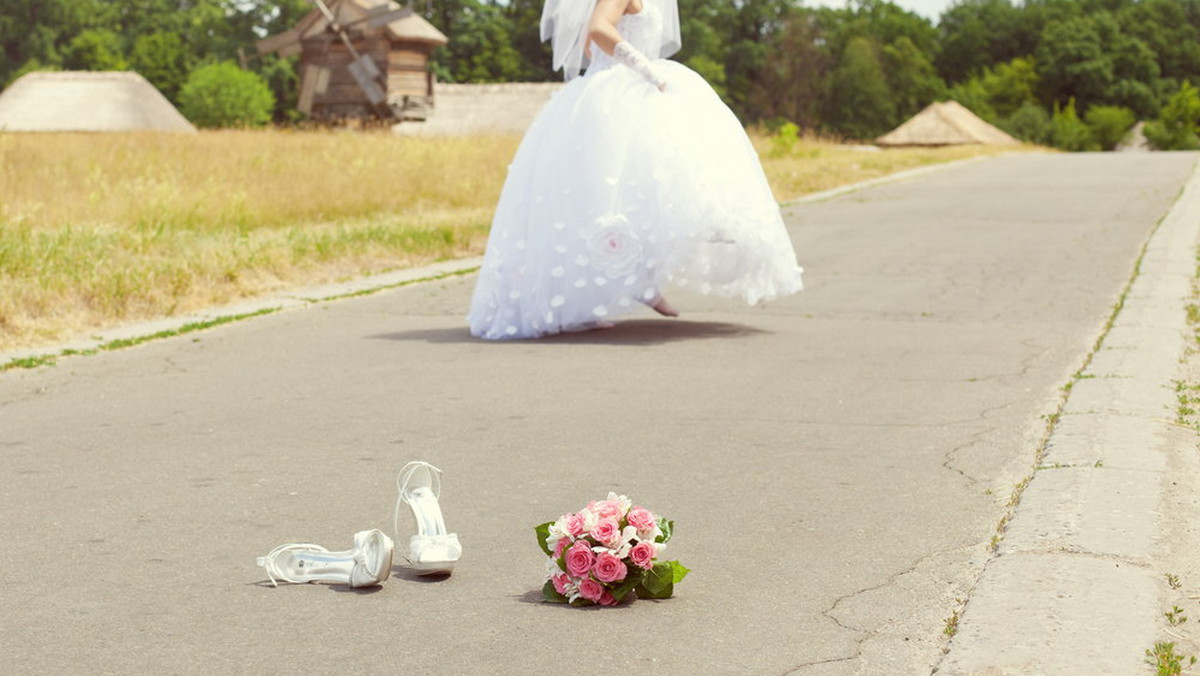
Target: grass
(1166, 661)
(950, 627)
(813, 164)
(97, 230)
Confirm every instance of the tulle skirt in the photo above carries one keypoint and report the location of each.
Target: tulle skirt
(619, 191)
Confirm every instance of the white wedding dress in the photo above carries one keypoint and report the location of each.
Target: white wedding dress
(620, 191)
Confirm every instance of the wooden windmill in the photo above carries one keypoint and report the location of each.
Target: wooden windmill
(361, 59)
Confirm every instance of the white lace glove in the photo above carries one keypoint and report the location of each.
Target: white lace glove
(630, 56)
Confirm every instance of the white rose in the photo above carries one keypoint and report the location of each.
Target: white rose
(590, 519)
(558, 531)
(628, 535)
(615, 249)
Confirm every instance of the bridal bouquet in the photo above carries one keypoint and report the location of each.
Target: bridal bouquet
(603, 552)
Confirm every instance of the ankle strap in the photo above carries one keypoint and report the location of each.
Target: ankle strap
(402, 481)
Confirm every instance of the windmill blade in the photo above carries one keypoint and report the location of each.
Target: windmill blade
(381, 15)
(324, 9)
(286, 43)
(315, 80)
(385, 18)
(366, 74)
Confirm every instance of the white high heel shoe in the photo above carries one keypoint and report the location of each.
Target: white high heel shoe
(369, 563)
(432, 550)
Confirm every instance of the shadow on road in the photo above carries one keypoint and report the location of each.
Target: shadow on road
(635, 332)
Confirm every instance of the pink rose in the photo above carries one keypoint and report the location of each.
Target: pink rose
(574, 524)
(580, 558)
(642, 555)
(560, 546)
(641, 519)
(607, 509)
(606, 532)
(590, 589)
(560, 583)
(607, 599)
(608, 568)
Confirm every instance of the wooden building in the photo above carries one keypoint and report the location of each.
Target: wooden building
(365, 63)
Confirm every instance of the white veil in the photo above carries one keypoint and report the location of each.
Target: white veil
(565, 25)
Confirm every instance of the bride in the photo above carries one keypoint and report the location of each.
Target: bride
(634, 178)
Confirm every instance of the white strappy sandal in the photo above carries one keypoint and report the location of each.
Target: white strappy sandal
(369, 563)
(432, 550)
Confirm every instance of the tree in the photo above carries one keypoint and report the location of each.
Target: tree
(94, 50)
(163, 60)
(975, 34)
(524, 16)
(223, 95)
(861, 104)
(911, 77)
(749, 29)
(1092, 60)
(975, 96)
(1176, 126)
(791, 85)
(481, 47)
(1169, 30)
(1072, 62)
(1011, 85)
(997, 94)
(704, 43)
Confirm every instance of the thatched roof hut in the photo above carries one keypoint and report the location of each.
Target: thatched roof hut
(87, 101)
(945, 124)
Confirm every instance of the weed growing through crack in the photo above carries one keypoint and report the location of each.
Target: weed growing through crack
(951, 627)
(1187, 403)
(1173, 581)
(1166, 661)
(1175, 616)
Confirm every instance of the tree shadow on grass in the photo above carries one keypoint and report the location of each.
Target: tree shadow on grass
(637, 332)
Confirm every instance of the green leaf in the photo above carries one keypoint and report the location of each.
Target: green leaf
(657, 582)
(543, 532)
(667, 527)
(551, 594)
(627, 585)
(678, 571)
(643, 592)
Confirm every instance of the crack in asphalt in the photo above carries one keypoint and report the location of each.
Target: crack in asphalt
(866, 634)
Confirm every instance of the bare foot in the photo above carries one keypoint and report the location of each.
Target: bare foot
(662, 307)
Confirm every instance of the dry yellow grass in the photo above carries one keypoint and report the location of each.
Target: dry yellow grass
(96, 230)
(811, 165)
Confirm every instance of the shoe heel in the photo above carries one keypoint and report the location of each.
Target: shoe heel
(432, 551)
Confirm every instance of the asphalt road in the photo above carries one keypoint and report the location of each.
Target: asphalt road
(836, 462)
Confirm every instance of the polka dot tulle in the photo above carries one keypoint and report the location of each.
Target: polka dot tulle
(618, 193)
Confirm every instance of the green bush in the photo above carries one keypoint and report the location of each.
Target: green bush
(1109, 124)
(785, 140)
(223, 95)
(1068, 132)
(1175, 128)
(1030, 123)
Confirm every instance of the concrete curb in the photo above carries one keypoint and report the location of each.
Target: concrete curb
(890, 178)
(296, 298)
(1073, 584)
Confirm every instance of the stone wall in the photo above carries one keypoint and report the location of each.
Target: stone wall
(476, 108)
